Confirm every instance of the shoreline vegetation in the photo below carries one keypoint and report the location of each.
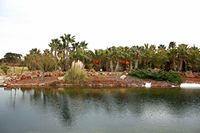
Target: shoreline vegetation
(68, 62)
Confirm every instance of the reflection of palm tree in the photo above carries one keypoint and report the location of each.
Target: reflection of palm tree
(65, 109)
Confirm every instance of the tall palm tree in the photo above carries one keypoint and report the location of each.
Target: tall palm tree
(67, 41)
(161, 57)
(35, 51)
(172, 55)
(110, 57)
(194, 58)
(54, 45)
(182, 51)
(161, 46)
(172, 45)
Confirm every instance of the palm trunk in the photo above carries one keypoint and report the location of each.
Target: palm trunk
(131, 65)
(117, 67)
(174, 64)
(136, 64)
(67, 59)
(64, 69)
(55, 57)
(181, 65)
(111, 66)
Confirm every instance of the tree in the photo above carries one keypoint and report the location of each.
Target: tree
(172, 55)
(12, 59)
(172, 45)
(182, 52)
(66, 45)
(54, 45)
(193, 58)
(35, 51)
(32, 61)
(78, 52)
(161, 57)
(37, 61)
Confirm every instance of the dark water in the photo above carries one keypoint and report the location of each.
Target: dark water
(99, 111)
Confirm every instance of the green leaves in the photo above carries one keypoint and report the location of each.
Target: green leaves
(170, 76)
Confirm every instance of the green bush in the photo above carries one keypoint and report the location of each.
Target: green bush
(75, 73)
(5, 69)
(170, 76)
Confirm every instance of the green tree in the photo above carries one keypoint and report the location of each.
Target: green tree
(182, 52)
(66, 45)
(12, 59)
(172, 55)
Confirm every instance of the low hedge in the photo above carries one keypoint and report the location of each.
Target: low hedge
(160, 75)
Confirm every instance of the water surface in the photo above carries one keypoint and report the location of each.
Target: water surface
(99, 110)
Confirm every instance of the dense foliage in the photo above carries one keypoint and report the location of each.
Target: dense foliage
(170, 76)
(38, 61)
(65, 49)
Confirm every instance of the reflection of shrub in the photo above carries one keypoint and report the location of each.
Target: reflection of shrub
(76, 72)
(5, 69)
(170, 76)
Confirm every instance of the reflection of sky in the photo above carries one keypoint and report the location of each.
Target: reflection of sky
(43, 111)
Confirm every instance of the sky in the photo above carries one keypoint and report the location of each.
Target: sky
(27, 24)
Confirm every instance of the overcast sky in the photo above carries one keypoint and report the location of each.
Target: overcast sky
(26, 24)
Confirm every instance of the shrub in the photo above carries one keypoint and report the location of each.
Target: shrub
(76, 72)
(170, 76)
(5, 69)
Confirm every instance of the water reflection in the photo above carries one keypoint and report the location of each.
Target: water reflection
(99, 110)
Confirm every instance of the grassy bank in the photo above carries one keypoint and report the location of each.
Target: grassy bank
(15, 70)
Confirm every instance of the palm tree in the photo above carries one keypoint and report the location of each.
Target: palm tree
(149, 53)
(67, 39)
(54, 45)
(172, 45)
(46, 52)
(172, 54)
(161, 46)
(161, 57)
(110, 56)
(182, 55)
(135, 55)
(99, 58)
(194, 58)
(35, 51)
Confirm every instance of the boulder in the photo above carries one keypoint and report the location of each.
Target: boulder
(61, 78)
(123, 77)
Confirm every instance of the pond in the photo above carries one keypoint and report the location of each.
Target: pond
(82, 110)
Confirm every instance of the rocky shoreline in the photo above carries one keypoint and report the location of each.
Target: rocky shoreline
(96, 79)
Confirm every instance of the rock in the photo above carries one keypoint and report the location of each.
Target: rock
(61, 78)
(123, 77)
(23, 77)
(147, 85)
(2, 80)
(189, 74)
(42, 84)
